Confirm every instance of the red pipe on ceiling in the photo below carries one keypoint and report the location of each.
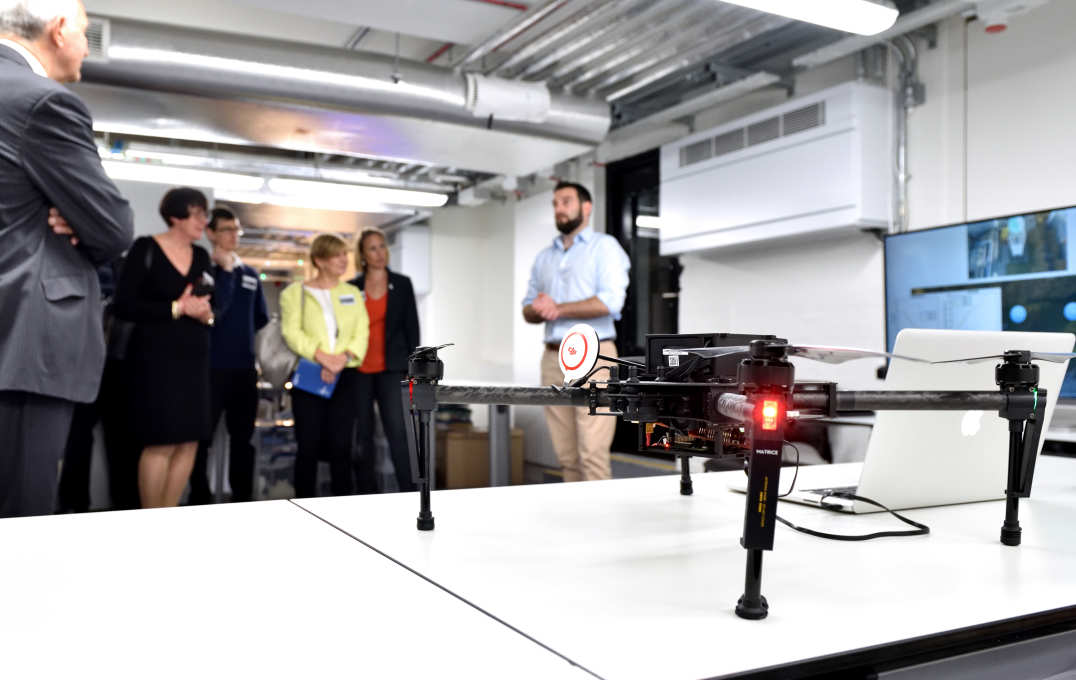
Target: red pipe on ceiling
(502, 3)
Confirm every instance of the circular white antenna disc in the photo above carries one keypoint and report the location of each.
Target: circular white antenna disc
(578, 352)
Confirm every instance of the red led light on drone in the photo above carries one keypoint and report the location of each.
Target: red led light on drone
(771, 409)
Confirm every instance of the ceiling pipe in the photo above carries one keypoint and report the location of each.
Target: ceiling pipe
(511, 31)
(638, 31)
(662, 39)
(169, 59)
(931, 14)
(597, 39)
(622, 87)
(702, 102)
(568, 30)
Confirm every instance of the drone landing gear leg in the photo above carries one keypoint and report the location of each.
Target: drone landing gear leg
(760, 515)
(425, 473)
(752, 605)
(1025, 409)
(418, 403)
(686, 488)
(1010, 529)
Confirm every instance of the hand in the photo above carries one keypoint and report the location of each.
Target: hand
(223, 259)
(546, 307)
(198, 308)
(60, 226)
(331, 362)
(337, 362)
(327, 376)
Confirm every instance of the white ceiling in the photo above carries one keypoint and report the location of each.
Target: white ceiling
(423, 25)
(457, 21)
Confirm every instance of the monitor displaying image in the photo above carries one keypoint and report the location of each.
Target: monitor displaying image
(1013, 273)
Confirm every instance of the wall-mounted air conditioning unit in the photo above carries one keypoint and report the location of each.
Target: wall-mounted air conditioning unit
(818, 163)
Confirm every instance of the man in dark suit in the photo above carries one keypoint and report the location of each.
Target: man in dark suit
(51, 343)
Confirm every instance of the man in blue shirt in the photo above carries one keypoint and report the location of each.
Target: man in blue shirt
(581, 277)
(239, 310)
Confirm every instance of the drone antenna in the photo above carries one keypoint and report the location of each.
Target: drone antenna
(622, 362)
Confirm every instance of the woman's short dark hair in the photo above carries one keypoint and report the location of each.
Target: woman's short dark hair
(177, 204)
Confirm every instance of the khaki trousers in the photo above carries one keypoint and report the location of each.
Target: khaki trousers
(581, 440)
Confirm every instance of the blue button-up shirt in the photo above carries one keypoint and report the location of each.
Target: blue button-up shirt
(595, 265)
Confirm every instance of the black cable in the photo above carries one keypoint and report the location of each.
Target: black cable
(796, 474)
(920, 529)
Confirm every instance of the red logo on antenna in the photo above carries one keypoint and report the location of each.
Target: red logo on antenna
(570, 347)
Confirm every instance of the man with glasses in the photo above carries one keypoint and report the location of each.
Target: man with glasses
(240, 312)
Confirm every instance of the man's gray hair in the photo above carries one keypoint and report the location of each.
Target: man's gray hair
(27, 19)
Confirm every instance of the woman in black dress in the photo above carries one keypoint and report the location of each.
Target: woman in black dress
(164, 289)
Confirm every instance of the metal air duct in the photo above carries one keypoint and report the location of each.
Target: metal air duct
(167, 59)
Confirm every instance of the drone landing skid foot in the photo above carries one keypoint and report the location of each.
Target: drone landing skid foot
(1010, 535)
(752, 605)
(753, 611)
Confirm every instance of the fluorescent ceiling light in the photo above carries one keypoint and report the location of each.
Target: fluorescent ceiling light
(338, 204)
(332, 191)
(166, 130)
(160, 174)
(170, 158)
(865, 17)
(648, 221)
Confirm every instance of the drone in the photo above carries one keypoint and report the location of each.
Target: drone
(719, 395)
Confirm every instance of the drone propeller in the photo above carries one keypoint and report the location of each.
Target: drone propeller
(829, 355)
(1056, 357)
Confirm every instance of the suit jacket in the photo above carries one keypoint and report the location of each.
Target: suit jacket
(401, 320)
(51, 340)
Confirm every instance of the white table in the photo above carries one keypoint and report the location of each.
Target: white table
(259, 590)
(632, 580)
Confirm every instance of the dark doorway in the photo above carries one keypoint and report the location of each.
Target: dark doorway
(633, 189)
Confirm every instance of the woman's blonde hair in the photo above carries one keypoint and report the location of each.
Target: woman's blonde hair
(360, 264)
(326, 246)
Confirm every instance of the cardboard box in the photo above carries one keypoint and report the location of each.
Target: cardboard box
(463, 458)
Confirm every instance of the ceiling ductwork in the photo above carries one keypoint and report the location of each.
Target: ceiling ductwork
(150, 57)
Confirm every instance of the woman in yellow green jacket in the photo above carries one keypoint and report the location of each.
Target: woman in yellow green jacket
(324, 320)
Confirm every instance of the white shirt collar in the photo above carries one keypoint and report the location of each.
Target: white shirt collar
(235, 260)
(26, 54)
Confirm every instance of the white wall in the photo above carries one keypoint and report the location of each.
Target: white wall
(534, 230)
(470, 303)
(822, 292)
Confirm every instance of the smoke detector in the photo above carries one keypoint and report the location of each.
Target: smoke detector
(996, 14)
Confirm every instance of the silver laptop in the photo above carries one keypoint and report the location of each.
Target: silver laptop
(919, 459)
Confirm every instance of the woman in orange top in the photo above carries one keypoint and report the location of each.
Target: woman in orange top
(394, 334)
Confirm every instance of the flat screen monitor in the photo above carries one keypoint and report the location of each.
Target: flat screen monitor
(1016, 273)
